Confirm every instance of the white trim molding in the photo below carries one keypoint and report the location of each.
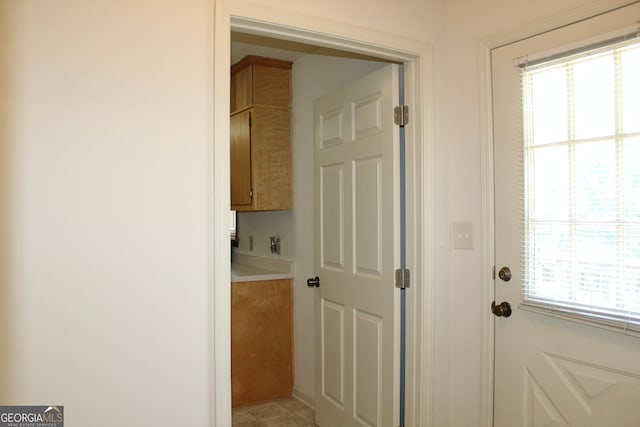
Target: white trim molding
(487, 233)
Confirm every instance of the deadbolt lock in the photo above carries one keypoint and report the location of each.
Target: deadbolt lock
(504, 274)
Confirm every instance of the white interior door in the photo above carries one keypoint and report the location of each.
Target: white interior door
(356, 252)
(552, 369)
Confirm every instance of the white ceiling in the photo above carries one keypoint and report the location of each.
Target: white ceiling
(243, 44)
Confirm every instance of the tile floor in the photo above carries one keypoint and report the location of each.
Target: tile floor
(279, 413)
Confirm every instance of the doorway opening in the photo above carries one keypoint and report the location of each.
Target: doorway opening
(314, 71)
(241, 26)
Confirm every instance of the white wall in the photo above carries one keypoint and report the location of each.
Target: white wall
(106, 130)
(312, 76)
(105, 168)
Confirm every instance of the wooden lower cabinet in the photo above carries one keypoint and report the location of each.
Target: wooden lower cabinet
(261, 341)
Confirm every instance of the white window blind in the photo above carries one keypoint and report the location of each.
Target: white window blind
(581, 206)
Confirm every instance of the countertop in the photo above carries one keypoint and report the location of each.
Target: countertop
(247, 268)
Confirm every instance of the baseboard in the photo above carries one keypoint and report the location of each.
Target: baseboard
(304, 398)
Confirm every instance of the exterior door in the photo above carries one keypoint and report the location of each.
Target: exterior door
(356, 184)
(555, 368)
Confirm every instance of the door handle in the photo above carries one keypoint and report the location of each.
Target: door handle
(501, 310)
(314, 281)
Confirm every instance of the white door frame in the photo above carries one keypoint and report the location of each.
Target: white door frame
(242, 15)
(486, 142)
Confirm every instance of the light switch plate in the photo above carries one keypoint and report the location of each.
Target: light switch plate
(462, 235)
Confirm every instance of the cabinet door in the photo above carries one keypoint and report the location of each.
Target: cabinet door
(241, 159)
(242, 89)
(261, 341)
(271, 159)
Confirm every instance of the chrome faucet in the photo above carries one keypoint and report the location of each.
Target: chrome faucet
(275, 244)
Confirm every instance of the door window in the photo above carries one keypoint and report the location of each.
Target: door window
(581, 205)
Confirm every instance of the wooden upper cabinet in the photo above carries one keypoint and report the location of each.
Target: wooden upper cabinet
(260, 81)
(261, 172)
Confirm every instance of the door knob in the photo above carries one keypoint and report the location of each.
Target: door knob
(314, 281)
(504, 274)
(501, 310)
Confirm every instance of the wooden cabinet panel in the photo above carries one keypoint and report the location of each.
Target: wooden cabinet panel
(240, 153)
(271, 86)
(261, 160)
(261, 341)
(241, 89)
(271, 159)
(260, 81)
